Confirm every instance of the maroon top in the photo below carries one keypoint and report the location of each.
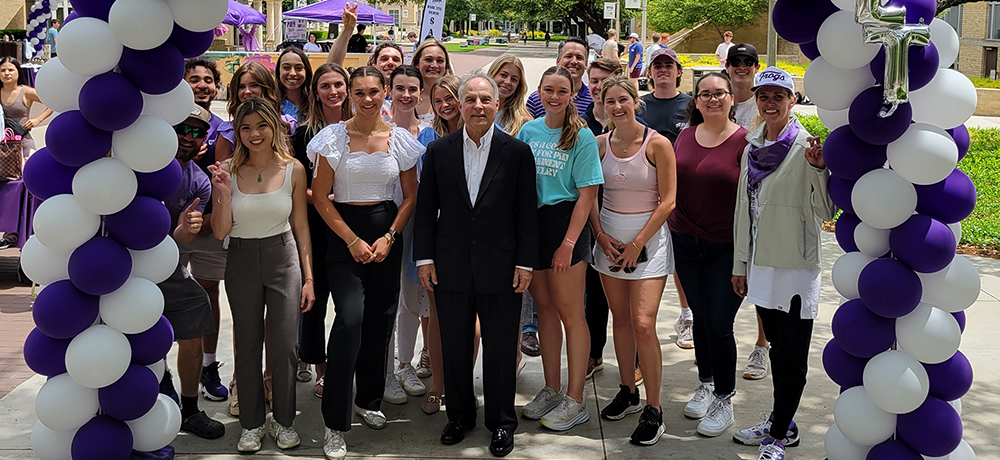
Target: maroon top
(707, 179)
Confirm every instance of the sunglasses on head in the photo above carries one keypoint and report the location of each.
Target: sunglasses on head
(746, 62)
(196, 132)
(629, 270)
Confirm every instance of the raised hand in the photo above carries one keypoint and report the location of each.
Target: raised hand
(350, 16)
(814, 153)
(221, 179)
(191, 218)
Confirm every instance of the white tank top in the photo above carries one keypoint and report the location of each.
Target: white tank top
(261, 215)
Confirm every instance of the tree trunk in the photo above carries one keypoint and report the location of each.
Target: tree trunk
(589, 14)
(945, 4)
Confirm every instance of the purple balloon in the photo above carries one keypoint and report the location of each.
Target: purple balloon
(155, 71)
(846, 224)
(843, 368)
(103, 438)
(798, 21)
(950, 201)
(850, 157)
(934, 429)
(924, 244)
(961, 137)
(152, 344)
(960, 317)
(92, 8)
(892, 449)
(161, 184)
(917, 11)
(191, 44)
(71, 17)
(62, 311)
(45, 177)
(141, 225)
(45, 355)
(860, 332)
(100, 266)
(951, 379)
(810, 50)
(889, 288)
(840, 192)
(73, 141)
(132, 395)
(922, 64)
(869, 126)
(110, 101)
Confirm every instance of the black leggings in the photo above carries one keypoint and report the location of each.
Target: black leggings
(312, 327)
(790, 336)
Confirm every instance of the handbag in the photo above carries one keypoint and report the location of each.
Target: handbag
(13, 125)
(11, 162)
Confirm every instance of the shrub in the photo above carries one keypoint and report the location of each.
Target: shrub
(495, 33)
(984, 82)
(320, 34)
(794, 69)
(813, 124)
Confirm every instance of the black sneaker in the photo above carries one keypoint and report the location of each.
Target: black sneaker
(202, 426)
(211, 384)
(167, 387)
(625, 403)
(650, 427)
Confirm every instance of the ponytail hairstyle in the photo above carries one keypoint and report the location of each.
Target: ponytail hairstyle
(312, 112)
(572, 121)
(263, 76)
(621, 80)
(451, 84)
(694, 115)
(279, 143)
(515, 112)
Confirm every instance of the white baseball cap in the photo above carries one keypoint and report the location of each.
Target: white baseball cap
(634, 35)
(773, 76)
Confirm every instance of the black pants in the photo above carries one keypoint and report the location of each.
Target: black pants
(790, 336)
(312, 327)
(365, 297)
(596, 304)
(705, 270)
(499, 316)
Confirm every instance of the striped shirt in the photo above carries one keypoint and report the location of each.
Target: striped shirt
(581, 100)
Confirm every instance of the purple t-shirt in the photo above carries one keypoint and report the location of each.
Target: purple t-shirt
(213, 135)
(194, 184)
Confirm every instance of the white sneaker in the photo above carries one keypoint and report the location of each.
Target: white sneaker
(334, 446)
(546, 400)
(375, 419)
(719, 418)
(393, 393)
(285, 436)
(757, 367)
(566, 415)
(685, 332)
(412, 385)
(773, 451)
(424, 365)
(697, 407)
(250, 439)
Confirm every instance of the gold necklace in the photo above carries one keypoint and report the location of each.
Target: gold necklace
(378, 127)
(260, 177)
(629, 142)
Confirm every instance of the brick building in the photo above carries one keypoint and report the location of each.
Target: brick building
(978, 25)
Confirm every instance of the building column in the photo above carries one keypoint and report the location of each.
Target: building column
(259, 6)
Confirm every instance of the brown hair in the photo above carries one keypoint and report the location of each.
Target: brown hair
(427, 43)
(621, 80)
(451, 84)
(312, 112)
(515, 112)
(680, 73)
(572, 121)
(607, 65)
(264, 78)
(282, 91)
(728, 33)
(694, 115)
(382, 47)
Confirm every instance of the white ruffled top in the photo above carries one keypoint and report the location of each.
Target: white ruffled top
(360, 176)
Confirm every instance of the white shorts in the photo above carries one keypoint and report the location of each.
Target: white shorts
(624, 228)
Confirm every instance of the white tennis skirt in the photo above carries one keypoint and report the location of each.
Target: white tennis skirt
(624, 228)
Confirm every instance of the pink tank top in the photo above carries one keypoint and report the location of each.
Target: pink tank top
(629, 183)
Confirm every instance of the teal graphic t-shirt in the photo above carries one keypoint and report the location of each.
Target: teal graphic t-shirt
(559, 173)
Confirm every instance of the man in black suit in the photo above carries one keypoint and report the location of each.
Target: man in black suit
(475, 242)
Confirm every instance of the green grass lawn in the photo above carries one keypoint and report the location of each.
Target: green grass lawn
(982, 164)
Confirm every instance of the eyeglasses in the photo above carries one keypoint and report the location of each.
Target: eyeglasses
(748, 62)
(195, 131)
(705, 97)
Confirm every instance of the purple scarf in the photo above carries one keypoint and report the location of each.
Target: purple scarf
(765, 160)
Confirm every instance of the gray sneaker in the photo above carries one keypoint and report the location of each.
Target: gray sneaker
(546, 400)
(250, 439)
(285, 436)
(566, 415)
(697, 407)
(757, 367)
(685, 333)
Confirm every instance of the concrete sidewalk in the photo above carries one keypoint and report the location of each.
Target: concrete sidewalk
(411, 434)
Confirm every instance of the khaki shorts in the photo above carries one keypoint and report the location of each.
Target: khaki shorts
(206, 257)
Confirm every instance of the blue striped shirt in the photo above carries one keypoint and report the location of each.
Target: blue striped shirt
(582, 100)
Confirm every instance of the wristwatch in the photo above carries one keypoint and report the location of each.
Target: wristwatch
(392, 234)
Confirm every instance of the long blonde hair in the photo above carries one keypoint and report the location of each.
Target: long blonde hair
(314, 119)
(279, 143)
(515, 112)
(427, 43)
(572, 121)
(625, 83)
(264, 78)
(451, 84)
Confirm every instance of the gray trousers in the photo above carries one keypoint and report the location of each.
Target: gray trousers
(264, 274)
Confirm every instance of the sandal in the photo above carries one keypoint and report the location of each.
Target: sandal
(234, 402)
(267, 390)
(318, 388)
(432, 403)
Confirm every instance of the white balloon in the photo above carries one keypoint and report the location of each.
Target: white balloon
(947, 101)
(49, 444)
(32, 24)
(832, 119)
(846, 271)
(87, 46)
(945, 39)
(860, 420)
(198, 15)
(134, 307)
(34, 41)
(141, 24)
(842, 42)
(61, 223)
(158, 368)
(156, 264)
(929, 334)
(896, 382)
(871, 241)
(174, 106)
(64, 405)
(104, 186)
(840, 448)
(883, 199)
(98, 356)
(148, 145)
(58, 88)
(954, 288)
(43, 265)
(956, 228)
(158, 427)
(957, 404)
(962, 452)
(833, 88)
(924, 155)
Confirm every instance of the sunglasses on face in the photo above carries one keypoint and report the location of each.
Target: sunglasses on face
(747, 62)
(196, 132)
(629, 270)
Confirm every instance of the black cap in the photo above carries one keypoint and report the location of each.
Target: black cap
(742, 49)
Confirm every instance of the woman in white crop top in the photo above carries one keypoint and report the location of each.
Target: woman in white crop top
(260, 199)
(361, 161)
(633, 252)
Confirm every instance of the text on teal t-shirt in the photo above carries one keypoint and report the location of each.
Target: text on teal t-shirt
(559, 173)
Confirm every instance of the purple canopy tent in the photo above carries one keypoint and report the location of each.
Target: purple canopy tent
(333, 11)
(240, 16)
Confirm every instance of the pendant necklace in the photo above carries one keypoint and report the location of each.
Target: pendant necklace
(260, 177)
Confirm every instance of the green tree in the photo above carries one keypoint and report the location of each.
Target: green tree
(674, 15)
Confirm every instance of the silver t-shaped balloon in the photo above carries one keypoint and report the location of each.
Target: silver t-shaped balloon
(887, 26)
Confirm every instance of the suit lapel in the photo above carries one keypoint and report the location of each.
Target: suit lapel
(498, 150)
(456, 158)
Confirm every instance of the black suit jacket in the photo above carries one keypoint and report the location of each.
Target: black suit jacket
(480, 242)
